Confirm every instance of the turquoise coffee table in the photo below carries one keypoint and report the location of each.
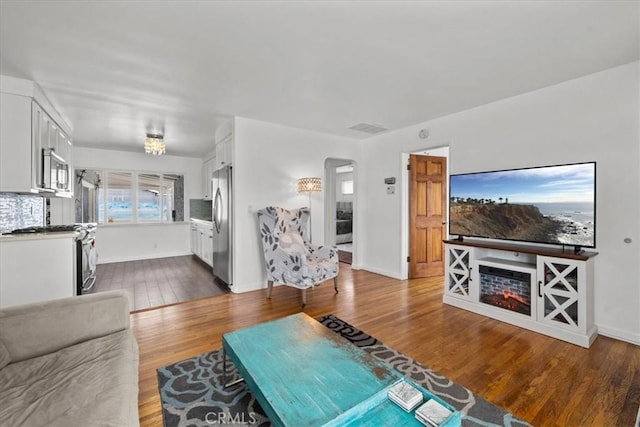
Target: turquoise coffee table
(303, 374)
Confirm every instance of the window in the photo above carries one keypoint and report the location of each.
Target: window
(347, 187)
(135, 197)
(149, 195)
(119, 197)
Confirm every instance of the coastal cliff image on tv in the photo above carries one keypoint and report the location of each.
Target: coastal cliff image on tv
(547, 204)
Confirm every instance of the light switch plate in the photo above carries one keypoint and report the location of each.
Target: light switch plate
(391, 189)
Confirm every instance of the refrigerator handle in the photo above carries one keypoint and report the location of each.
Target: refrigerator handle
(217, 211)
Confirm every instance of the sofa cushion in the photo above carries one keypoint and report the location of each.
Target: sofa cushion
(94, 383)
(33, 330)
(5, 357)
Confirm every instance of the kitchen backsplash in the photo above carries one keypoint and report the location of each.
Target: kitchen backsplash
(200, 209)
(20, 211)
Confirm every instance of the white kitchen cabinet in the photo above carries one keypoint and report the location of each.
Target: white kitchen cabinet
(207, 246)
(224, 153)
(17, 171)
(208, 167)
(36, 268)
(224, 145)
(52, 142)
(202, 240)
(65, 148)
(193, 233)
(26, 127)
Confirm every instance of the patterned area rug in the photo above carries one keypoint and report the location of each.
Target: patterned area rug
(192, 393)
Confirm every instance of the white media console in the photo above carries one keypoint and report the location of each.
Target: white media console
(546, 290)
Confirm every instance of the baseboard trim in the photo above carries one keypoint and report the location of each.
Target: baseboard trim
(392, 274)
(619, 334)
(256, 286)
(102, 260)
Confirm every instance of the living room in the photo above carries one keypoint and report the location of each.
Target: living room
(570, 106)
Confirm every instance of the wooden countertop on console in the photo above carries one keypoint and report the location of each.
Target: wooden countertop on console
(525, 249)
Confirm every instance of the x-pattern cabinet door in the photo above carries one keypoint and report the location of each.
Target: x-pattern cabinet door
(458, 280)
(561, 293)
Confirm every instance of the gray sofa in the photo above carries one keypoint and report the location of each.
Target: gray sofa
(69, 362)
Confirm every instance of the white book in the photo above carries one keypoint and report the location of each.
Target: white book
(405, 395)
(405, 392)
(425, 421)
(433, 412)
(407, 406)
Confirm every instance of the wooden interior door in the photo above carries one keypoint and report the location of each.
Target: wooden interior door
(427, 204)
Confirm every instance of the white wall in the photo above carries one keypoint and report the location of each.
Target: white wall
(591, 118)
(268, 159)
(142, 241)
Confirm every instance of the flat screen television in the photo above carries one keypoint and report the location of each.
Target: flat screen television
(546, 204)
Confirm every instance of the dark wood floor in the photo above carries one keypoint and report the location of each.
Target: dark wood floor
(159, 282)
(542, 380)
(345, 256)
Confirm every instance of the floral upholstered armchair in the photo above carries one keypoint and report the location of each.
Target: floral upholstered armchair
(290, 259)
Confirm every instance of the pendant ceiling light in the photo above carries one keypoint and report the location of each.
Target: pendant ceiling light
(154, 144)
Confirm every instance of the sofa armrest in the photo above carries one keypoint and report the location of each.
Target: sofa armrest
(33, 330)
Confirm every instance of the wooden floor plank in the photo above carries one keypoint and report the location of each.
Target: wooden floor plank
(158, 282)
(542, 380)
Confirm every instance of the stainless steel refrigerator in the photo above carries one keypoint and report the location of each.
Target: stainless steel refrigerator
(221, 215)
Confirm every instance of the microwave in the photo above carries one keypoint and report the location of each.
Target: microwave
(55, 172)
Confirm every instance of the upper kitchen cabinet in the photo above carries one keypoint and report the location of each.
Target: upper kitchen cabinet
(224, 145)
(208, 167)
(33, 137)
(17, 168)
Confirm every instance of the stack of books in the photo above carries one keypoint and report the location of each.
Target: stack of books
(405, 396)
(432, 413)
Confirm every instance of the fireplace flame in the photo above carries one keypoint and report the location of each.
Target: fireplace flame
(513, 295)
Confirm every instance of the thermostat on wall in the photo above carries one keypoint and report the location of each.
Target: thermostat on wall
(391, 180)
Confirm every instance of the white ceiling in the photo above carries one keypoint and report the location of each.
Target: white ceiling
(117, 69)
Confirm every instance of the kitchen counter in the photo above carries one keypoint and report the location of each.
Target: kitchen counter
(202, 221)
(38, 236)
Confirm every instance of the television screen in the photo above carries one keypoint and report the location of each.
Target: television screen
(548, 204)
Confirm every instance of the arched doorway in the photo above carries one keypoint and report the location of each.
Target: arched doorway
(340, 207)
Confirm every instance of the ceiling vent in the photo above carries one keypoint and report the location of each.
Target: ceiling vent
(368, 128)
